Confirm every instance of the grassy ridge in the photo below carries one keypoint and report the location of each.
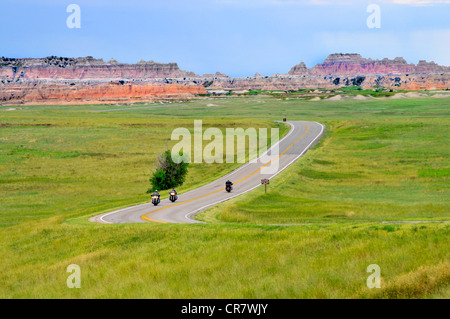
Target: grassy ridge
(382, 159)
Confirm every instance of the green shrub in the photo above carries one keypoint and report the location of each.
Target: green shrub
(169, 173)
(158, 180)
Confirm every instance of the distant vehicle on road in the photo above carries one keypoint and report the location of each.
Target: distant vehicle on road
(228, 186)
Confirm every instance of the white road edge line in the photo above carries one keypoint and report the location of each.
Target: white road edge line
(188, 215)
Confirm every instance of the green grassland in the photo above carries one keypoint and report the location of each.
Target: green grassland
(50, 159)
(364, 171)
(385, 159)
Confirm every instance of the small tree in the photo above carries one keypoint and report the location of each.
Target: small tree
(168, 173)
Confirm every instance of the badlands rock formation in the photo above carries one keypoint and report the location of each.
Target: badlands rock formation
(54, 80)
(89, 80)
(87, 68)
(354, 64)
(94, 93)
(345, 70)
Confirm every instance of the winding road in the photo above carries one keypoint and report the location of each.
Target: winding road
(302, 136)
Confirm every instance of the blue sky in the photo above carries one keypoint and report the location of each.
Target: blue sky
(236, 37)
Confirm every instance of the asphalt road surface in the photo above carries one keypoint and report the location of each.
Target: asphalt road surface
(302, 136)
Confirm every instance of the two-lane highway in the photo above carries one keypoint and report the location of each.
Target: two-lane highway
(302, 136)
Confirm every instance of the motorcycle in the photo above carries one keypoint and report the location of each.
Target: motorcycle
(173, 197)
(155, 200)
(228, 188)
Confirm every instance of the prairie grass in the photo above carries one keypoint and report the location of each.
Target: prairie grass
(363, 171)
(221, 261)
(75, 165)
(380, 160)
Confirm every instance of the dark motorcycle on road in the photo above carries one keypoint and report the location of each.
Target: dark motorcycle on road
(173, 196)
(228, 186)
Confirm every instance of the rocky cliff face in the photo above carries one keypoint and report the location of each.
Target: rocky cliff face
(354, 64)
(299, 69)
(94, 93)
(87, 80)
(79, 80)
(284, 83)
(344, 70)
(86, 68)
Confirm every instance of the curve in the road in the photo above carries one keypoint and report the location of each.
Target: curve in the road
(302, 136)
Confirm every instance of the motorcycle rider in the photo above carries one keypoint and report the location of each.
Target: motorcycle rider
(156, 193)
(176, 194)
(229, 183)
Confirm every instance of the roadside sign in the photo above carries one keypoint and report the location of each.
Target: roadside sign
(265, 182)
